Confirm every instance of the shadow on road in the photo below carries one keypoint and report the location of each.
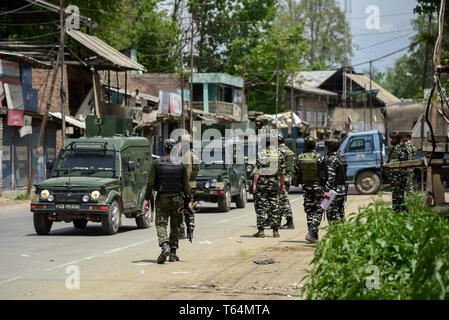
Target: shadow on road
(90, 231)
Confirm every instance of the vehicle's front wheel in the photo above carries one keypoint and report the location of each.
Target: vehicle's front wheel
(111, 222)
(224, 203)
(367, 182)
(41, 223)
(241, 199)
(143, 221)
(80, 223)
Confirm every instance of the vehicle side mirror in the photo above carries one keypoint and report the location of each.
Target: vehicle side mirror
(131, 166)
(49, 164)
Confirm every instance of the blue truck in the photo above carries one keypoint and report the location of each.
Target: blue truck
(365, 153)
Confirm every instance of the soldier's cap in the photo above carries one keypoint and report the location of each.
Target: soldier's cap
(332, 144)
(395, 134)
(169, 144)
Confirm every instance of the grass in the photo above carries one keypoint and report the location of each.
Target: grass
(380, 254)
(22, 196)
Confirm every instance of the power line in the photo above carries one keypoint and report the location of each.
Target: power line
(379, 33)
(386, 41)
(18, 9)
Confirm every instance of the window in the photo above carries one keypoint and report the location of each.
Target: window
(362, 144)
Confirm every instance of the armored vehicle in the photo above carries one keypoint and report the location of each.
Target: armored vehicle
(221, 183)
(97, 178)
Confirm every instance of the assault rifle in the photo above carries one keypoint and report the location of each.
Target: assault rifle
(189, 218)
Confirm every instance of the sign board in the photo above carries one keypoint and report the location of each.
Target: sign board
(169, 103)
(9, 69)
(14, 96)
(15, 118)
(26, 74)
(30, 100)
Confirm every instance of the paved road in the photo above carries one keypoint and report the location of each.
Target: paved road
(32, 266)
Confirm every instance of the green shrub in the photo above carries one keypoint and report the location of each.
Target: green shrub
(410, 250)
(22, 196)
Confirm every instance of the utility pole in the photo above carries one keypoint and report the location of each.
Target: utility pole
(244, 88)
(191, 76)
(370, 96)
(44, 123)
(62, 91)
(183, 117)
(291, 107)
(277, 85)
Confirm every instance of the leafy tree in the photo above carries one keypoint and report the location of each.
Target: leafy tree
(325, 28)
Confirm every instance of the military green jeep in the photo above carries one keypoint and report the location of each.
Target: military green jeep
(97, 179)
(221, 183)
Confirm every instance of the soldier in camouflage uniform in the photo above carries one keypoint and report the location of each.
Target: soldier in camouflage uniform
(398, 176)
(268, 183)
(193, 166)
(169, 177)
(309, 171)
(284, 203)
(335, 180)
(411, 150)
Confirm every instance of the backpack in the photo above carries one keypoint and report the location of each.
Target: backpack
(308, 162)
(341, 174)
(290, 159)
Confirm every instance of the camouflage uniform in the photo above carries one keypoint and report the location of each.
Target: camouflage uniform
(284, 204)
(336, 210)
(312, 192)
(167, 206)
(410, 184)
(398, 153)
(267, 196)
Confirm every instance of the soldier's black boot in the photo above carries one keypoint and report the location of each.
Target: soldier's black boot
(289, 224)
(164, 254)
(312, 236)
(276, 233)
(259, 234)
(173, 257)
(182, 233)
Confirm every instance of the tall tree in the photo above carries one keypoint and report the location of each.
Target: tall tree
(326, 30)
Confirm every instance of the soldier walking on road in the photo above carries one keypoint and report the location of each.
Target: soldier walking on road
(284, 203)
(193, 166)
(309, 171)
(411, 150)
(398, 176)
(169, 177)
(335, 180)
(268, 183)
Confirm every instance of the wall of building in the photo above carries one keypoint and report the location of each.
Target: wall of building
(39, 81)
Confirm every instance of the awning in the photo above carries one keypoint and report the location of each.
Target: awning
(69, 119)
(20, 58)
(105, 51)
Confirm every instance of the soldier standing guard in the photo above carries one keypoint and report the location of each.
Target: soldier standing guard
(169, 177)
(335, 180)
(398, 176)
(309, 171)
(284, 203)
(268, 183)
(411, 150)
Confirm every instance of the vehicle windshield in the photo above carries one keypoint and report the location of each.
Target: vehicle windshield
(98, 163)
(212, 162)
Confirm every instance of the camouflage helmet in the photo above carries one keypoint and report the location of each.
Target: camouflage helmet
(169, 144)
(332, 144)
(309, 143)
(395, 134)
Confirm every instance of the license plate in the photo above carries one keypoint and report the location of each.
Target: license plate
(68, 206)
(199, 191)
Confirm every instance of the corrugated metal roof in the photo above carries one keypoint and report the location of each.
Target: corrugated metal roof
(144, 96)
(313, 78)
(314, 90)
(69, 119)
(104, 50)
(383, 95)
(18, 57)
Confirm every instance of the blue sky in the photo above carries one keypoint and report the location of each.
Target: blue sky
(393, 34)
